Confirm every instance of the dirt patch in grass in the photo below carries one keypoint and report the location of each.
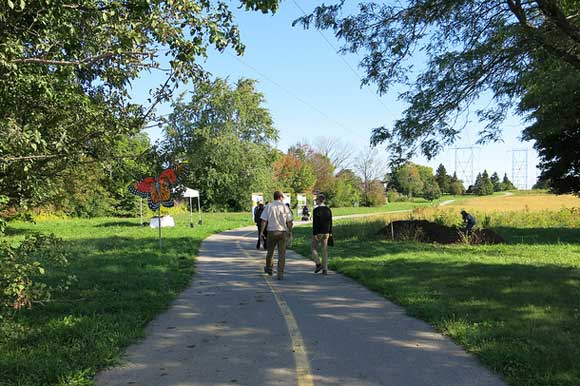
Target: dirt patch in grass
(430, 232)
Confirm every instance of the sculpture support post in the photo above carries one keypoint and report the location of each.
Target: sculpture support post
(159, 225)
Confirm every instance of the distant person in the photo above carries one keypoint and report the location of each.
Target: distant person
(277, 220)
(305, 213)
(468, 221)
(321, 231)
(257, 214)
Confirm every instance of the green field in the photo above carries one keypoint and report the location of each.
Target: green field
(516, 306)
(124, 281)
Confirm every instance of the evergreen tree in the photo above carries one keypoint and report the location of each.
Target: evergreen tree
(497, 186)
(483, 185)
(443, 179)
(456, 187)
(507, 184)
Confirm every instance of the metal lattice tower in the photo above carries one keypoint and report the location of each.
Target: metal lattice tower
(464, 160)
(520, 168)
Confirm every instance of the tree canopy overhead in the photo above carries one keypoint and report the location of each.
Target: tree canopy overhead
(472, 47)
(65, 70)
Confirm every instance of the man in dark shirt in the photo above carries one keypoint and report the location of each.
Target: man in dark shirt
(468, 221)
(321, 231)
(257, 214)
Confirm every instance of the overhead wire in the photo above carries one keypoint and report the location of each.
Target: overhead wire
(352, 70)
(298, 98)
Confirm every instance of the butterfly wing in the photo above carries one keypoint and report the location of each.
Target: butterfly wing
(160, 195)
(168, 177)
(142, 188)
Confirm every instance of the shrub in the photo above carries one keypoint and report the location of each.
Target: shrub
(394, 196)
(23, 272)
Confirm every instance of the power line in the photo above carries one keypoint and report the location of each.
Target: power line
(335, 50)
(299, 99)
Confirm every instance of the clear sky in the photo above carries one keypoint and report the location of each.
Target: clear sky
(312, 91)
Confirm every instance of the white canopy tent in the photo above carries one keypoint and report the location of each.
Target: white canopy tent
(191, 194)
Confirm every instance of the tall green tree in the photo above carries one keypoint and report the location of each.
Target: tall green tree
(476, 49)
(409, 179)
(456, 187)
(66, 68)
(431, 190)
(497, 186)
(225, 134)
(483, 185)
(346, 190)
(552, 102)
(507, 184)
(443, 179)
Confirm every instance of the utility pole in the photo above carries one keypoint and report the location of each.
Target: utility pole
(520, 168)
(464, 160)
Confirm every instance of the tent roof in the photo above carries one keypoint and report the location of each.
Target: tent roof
(190, 193)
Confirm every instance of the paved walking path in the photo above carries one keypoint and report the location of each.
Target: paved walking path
(236, 326)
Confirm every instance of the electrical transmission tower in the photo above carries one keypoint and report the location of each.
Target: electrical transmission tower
(520, 168)
(464, 159)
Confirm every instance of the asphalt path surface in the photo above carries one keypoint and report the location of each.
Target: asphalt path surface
(237, 326)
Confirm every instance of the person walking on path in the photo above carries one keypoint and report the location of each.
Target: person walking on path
(257, 214)
(277, 220)
(321, 231)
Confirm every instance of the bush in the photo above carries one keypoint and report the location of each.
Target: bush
(431, 191)
(23, 272)
(375, 196)
(394, 196)
(456, 188)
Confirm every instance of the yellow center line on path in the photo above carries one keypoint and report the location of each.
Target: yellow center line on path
(303, 373)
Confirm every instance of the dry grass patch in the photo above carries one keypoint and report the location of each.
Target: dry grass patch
(530, 202)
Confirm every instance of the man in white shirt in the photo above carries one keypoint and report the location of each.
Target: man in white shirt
(278, 220)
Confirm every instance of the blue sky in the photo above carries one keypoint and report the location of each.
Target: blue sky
(311, 92)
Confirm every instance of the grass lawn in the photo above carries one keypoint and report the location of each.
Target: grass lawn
(124, 281)
(515, 306)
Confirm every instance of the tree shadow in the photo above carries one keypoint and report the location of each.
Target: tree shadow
(516, 317)
(10, 231)
(123, 223)
(539, 235)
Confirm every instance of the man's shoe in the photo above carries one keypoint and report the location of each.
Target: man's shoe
(318, 268)
(280, 277)
(324, 272)
(268, 270)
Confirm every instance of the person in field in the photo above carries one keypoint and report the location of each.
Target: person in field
(468, 221)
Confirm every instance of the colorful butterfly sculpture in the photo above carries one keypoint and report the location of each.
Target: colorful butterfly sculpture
(157, 191)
